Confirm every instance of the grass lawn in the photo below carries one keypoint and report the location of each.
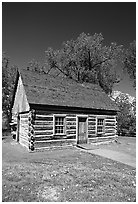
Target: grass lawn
(61, 175)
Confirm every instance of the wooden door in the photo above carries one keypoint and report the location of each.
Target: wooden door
(82, 130)
(18, 128)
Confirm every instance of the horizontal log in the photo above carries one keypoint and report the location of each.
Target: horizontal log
(110, 121)
(42, 112)
(91, 123)
(92, 116)
(70, 119)
(109, 131)
(23, 119)
(71, 123)
(43, 132)
(70, 115)
(43, 115)
(70, 127)
(110, 124)
(109, 134)
(43, 138)
(91, 128)
(110, 127)
(49, 137)
(45, 118)
(37, 139)
(101, 139)
(24, 115)
(110, 117)
(23, 138)
(63, 137)
(91, 119)
(68, 132)
(43, 127)
(36, 131)
(38, 122)
(24, 122)
(71, 136)
(90, 132)
(51, 143)
(24, 132)
(91, 135)
(24, 125)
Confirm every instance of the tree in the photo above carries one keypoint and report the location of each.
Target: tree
(8, 80)
(35, 66)
(86, 59)
(126, 117)
(130, 62)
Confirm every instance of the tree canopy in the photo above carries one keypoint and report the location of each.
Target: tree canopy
(86, 59)
(127, 116)
(8, 81)
(130, 62)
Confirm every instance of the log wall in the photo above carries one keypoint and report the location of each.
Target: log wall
(23, 130)
(71, 126)
(44, 129)
(41, 129)
(110, 128)
(91, 126)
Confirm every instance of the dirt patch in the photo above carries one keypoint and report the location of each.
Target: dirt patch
(48, 194)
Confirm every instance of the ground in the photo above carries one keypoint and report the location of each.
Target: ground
(124, 145)
(67, 174)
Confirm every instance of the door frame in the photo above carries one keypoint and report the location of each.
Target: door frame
(18, 128)
(77, 126)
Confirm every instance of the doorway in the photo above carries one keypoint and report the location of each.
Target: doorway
(18, 128)
(82, 130)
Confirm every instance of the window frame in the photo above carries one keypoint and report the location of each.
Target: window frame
(100, 125)
(64, 123)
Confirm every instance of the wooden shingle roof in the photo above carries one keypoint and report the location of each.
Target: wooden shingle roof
(47, 90)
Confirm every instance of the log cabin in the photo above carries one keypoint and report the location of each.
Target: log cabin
(57, 111)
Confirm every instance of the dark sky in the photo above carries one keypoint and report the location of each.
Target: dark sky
(28, 29)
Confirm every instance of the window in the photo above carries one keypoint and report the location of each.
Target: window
(100, 126)
(59, 125)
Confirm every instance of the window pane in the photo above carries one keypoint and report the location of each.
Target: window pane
(100, 121)
(59, 125)
(99, 129)
(100, 125)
